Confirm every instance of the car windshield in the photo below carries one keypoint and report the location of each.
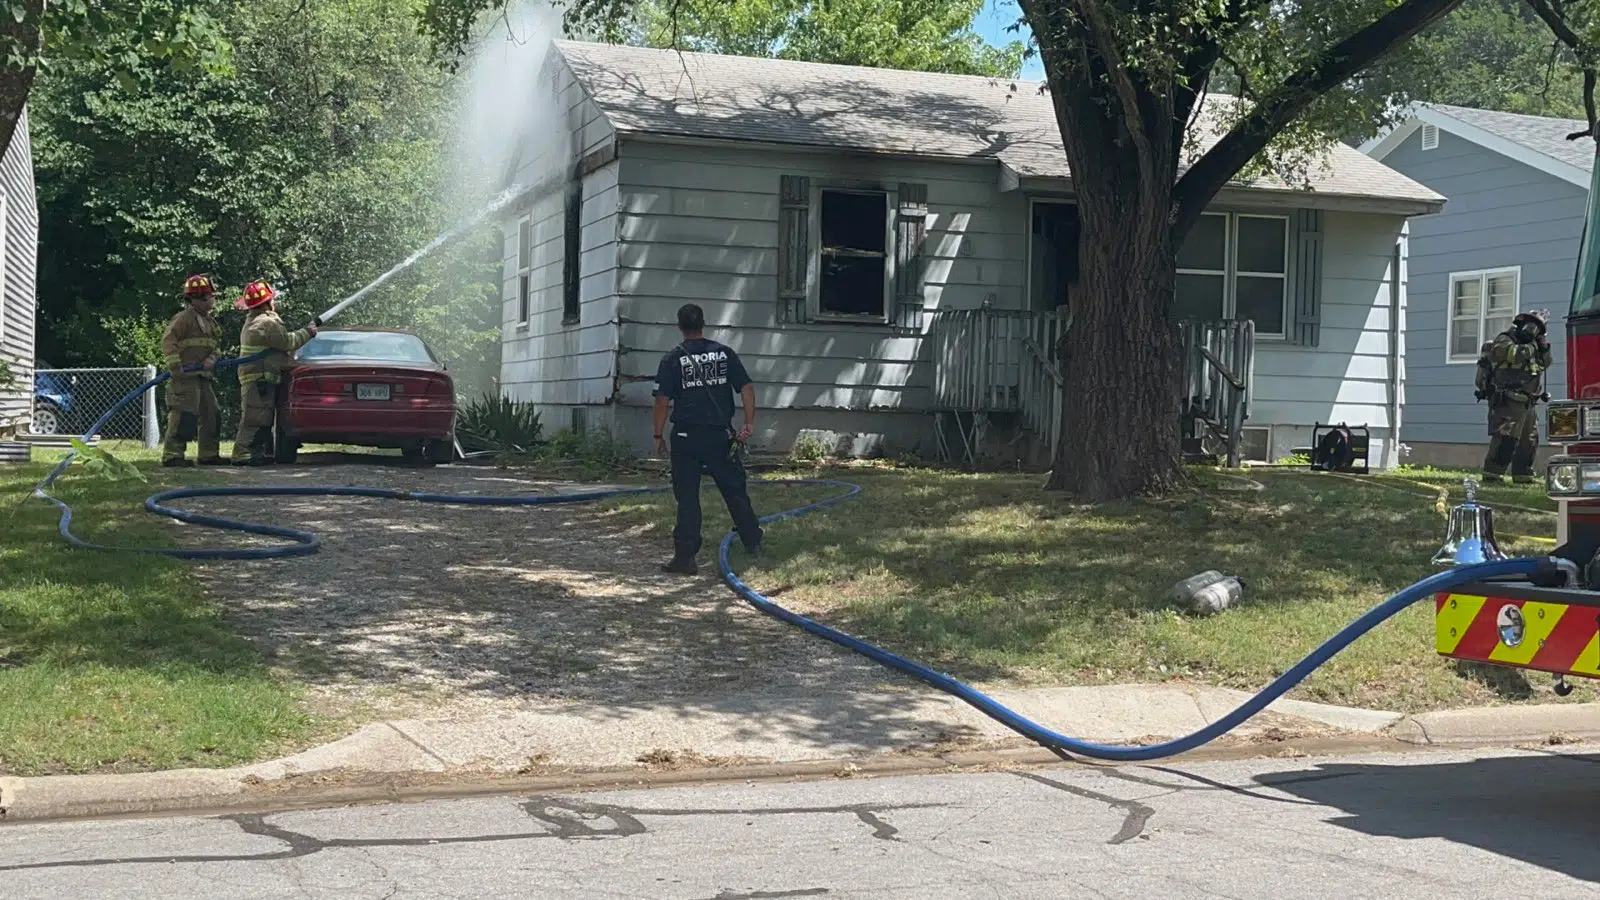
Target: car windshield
(381, 345)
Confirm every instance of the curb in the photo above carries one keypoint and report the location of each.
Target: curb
(1554, 723)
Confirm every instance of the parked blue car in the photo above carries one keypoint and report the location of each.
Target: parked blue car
(53, 402)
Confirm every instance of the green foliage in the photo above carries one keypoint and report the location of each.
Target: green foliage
(98, 462)
(498, 424)
(315, 162)
(922, 35)
(590, 456)
(1497, 54)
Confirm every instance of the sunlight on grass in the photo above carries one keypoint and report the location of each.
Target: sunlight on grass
(992, 579)
(119, 662)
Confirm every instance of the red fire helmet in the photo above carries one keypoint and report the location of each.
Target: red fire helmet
(256, 293)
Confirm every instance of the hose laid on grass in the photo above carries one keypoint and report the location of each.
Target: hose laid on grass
(305, 542)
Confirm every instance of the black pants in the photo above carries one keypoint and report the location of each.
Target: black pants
(703, 450)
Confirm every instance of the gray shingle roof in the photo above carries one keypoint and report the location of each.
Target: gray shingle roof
(878, 110)
(1537, 133)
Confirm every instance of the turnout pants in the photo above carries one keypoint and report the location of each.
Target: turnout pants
(192, 414)
(1513, 438)
(703, 450)
(257, 410)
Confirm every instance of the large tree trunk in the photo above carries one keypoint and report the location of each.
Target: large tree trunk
(1121, 362)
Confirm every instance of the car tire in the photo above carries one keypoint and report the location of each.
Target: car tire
(285, 449)
(439, 451)
(47, 419)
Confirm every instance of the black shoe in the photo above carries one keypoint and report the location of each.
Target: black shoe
(179, 463)
(680, 566)
(753, 552)
(254, 461)
(215, 461)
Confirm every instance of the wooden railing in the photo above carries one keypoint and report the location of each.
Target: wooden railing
(998, 361)
(1219, 359)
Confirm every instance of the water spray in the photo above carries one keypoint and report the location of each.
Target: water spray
(510, 195)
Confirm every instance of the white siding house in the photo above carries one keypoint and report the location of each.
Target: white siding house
(19, 237)
(830, 218)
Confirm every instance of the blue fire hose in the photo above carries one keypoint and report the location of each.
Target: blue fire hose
(305, 542)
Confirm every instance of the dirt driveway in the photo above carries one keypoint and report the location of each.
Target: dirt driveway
(413, 609)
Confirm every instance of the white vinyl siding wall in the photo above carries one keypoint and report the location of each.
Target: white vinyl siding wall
(547, 358)
(19, 217)
(701, 224)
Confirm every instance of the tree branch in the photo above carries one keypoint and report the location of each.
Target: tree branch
(1275, 111)
(1117, 72)
(1557, 21)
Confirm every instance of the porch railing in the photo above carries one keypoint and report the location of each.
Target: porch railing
(1219, 368)
(998, 361)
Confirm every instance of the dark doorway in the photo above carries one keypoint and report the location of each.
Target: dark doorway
(1053, 254)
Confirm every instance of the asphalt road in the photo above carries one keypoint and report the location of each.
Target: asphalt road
(1426, 825)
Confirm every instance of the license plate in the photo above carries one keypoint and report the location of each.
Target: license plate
(372, 392)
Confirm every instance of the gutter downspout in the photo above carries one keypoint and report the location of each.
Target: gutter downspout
(1396, 351)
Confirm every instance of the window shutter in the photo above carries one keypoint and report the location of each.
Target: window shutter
(910, 228)
(794, 246)
(1307, 283)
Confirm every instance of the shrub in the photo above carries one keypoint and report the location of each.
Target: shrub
(498, 424)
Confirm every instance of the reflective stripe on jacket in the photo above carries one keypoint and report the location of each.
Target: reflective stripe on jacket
(191, 337)
(264, 331)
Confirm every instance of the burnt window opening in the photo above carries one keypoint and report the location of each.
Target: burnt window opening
(854, 254)
(572, 255)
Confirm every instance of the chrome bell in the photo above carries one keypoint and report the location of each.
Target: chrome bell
(1470, 538)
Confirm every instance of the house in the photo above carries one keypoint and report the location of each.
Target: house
(19, 238)
(1506, 242)
(888, 250)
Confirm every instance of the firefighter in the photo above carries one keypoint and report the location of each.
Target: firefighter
(191, 337)
(1518, 359)
(258, 380)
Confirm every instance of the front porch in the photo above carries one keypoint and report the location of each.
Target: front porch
(990, 363)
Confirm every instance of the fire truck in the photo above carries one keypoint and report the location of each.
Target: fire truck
(1549, 622)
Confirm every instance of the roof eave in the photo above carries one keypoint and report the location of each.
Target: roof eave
(1276, 198)
(1420, 115)
(641, 136)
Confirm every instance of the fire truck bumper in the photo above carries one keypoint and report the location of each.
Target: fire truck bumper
(1520, 625)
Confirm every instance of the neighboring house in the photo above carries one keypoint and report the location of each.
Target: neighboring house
(881, 246)
(19, 240)
(1507, 241)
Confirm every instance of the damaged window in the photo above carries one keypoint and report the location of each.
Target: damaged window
(855, 240)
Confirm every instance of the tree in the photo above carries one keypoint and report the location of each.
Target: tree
(119, 36)
(1497, 54)
(923, 35)
(1128, 80)
(317, 161)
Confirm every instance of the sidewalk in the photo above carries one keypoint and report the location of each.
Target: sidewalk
(917, 729)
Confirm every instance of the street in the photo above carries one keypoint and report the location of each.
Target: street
(1426, 824)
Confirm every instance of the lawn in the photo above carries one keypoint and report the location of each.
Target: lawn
(118, 662)
(993, 580)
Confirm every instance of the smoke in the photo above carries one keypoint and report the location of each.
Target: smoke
(512, 127)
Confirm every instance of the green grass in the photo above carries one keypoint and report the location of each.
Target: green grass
(118, 662)
(992, 579)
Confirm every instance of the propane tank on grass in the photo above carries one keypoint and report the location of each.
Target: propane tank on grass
(1208, 593)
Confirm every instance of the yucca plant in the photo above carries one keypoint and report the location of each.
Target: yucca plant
(497, 424)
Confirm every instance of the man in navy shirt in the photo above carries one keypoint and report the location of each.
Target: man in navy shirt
(696, 380)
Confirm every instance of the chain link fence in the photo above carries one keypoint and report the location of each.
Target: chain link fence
(66, 402)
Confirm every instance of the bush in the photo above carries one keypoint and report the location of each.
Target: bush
(595, 455)
(498, 424)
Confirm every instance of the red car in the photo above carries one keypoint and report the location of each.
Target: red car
(371, 387)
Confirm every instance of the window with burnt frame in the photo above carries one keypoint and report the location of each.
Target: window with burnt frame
(854, 254)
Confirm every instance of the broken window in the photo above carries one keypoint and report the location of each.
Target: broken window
(854, 257)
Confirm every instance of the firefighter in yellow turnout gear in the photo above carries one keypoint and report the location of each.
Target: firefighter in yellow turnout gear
(258, 380)
(192, 414)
